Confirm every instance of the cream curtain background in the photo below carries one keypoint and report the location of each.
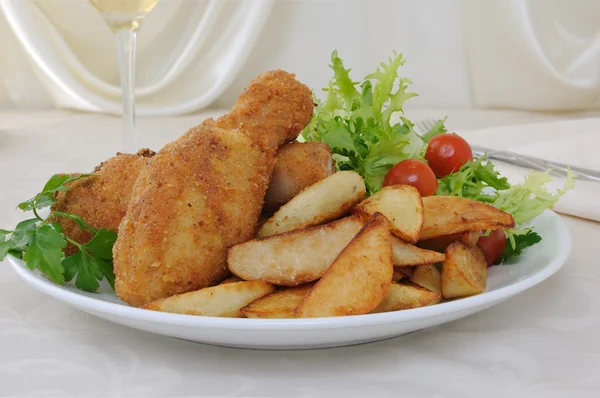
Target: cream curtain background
(527, 54)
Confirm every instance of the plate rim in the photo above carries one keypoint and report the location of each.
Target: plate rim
(86, 303)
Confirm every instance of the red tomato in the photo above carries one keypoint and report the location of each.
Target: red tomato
(412, 172)
(492, 245)
(446, 153)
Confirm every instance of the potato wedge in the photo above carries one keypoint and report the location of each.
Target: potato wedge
(406, 295)
(470, 238)
(293, 258)
(232, 279)
(398, 275)
(403, 207)
(324, 201)
(264, 217)
(280, 304)
(446, 215)
(441, 243)
(404, 254)
(406, 271)
(464, 271)
(222, 300)
(428, 276)
(359, 277)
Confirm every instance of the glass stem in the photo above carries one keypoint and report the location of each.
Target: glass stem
(126, 49)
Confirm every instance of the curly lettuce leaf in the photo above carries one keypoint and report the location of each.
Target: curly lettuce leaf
(364, 125)
(357, 121)
(477, 180)
(531, 198)
(438, 128)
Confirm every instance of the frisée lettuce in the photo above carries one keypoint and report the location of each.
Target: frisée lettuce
(480, 181)
(364, 125)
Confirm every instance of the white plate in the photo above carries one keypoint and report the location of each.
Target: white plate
(537, 264)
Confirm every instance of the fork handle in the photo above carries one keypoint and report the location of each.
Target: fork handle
(559, 169)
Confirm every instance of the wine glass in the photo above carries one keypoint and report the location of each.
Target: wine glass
(124, 18)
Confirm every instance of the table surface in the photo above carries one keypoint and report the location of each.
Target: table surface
(542, 343)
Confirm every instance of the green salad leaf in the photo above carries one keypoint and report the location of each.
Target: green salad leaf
(438, 128)
(39, 242)
(358, 121)
(521, 241)
(477, 180)
(531, 198)
(365, 127)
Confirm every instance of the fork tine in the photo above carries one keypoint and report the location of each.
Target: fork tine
(425, 125)
(429, 124)
(419, 127)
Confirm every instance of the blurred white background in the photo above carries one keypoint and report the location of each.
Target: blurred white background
(518, 54)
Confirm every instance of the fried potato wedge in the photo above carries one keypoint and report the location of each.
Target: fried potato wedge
(280, 304)
(398, 275)
(406, 295)
(293, 258)
(470, 238)
(441, 243)
(404, 254)
(464, 271)
(406, 271)
(359, 277)
(324, 201)
(428, 276)
(232, 279)
(222, 300)
(264, 217)
(403, 207)
(446, 215)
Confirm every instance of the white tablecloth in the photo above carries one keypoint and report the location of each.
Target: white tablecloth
(543, 343)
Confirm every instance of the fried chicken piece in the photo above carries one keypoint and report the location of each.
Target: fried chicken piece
(204, 192)
(101, 199)
(298, 166)
(272, 110)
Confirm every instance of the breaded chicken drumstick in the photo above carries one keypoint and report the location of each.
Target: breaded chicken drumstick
(298, 166)
(204, 192)
(102, 198)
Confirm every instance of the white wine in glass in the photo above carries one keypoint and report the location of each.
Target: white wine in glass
(124, 18)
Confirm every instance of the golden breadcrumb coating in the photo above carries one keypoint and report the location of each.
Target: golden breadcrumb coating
(101, 199)
(298, 166)
(204, 193)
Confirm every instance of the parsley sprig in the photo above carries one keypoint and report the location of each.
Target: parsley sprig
(40, 241)
(522, 240)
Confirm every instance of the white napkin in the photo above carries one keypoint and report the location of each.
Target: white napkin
(574, 142)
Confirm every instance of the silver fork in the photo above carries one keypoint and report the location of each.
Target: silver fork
(558, 169)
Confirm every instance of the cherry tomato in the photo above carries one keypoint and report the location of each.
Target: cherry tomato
(412, 172)
(446, 153)
(492, 245)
